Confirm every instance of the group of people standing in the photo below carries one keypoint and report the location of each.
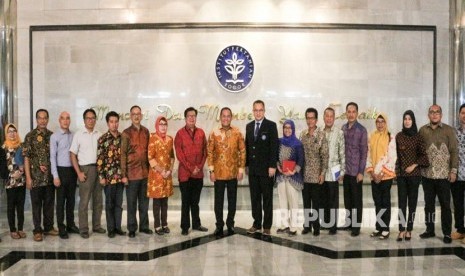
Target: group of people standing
(322, 157)
(311, 166)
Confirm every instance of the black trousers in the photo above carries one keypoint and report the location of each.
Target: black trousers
(66, 194)
(311, 195)
(381, 193)
(261, 191)
(190, 198)
(407, 192)
(160, 212)
(15, 207)
(457, 189)
(137, 200)
(441, 189)
(353, 202)
(42, 201)
(231, 188)
(330, 204)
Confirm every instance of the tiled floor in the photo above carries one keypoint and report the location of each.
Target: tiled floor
(239, 254)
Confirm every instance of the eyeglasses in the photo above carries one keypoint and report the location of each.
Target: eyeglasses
(90, 118)
(163, 124)
(435, 112)
(12, 131)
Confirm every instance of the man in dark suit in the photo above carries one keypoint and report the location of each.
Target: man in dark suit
(261, 141)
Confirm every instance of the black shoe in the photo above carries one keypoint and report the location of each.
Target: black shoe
(120, 232)
(231, 231)
(355, 233)
(427, 235)
(111, 234)
(292, 233)
(201, 229)
(100, 230)
(332, 232)
(316, 233)
(84, 235)
(306, 230)
(63, 235)
(159, 231)
(146, 231)
(218, 232)
(447, 239)
(282, 230)
(72, 229)
(166, 229)
(184, 232)
(132, 234)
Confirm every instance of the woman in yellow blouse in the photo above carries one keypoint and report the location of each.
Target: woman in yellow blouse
(160, 183)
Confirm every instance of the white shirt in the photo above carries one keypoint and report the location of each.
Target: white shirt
(84, 145)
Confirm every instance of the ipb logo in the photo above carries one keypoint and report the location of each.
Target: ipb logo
(234, 68)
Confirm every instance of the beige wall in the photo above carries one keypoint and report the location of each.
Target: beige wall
(387, 70)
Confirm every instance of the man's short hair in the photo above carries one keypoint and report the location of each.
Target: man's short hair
(311, 110)
(111, 114)
(135, 106)
(189, 109)
(259, 102)
(352, 103)
(462, 106)
(225, 108)
(330, 109)
(87, 111)
(41, 110)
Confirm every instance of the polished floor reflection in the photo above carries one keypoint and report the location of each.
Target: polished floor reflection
(202, 253)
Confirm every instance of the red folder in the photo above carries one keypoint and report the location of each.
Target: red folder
(288, 165)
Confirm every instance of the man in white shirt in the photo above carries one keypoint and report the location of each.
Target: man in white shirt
(84, 158)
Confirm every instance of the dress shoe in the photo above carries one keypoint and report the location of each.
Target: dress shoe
(111, 234)
(266, 232)
(201, 229)
(282, 230)
(427, 235)
(231, 231)
(51, 232)
(15, 235)
(355, 233)
(99, 230)
(22, 234)
(384, 235)
(120, 232)
(252, 230)
(306, 230)
(146, 231)
(166, 229)
(292, 233)
(332, 232)
(457, 236)
(63, 235)
(132, 234)
(159, 231)
(38, 237)
(84, 235)
(184, 232)
(218, 232)
(401, 236)
(447, 239)
(72, 229)
(316, 233)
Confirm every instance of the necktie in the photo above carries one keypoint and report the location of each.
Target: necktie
(257, 128)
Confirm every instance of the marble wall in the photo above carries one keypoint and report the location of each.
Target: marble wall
(387, 70)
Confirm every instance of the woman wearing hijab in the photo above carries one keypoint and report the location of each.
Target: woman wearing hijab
(382, 158)
(411, 155)
(160, 183)
(289, 178)
(15, 185)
